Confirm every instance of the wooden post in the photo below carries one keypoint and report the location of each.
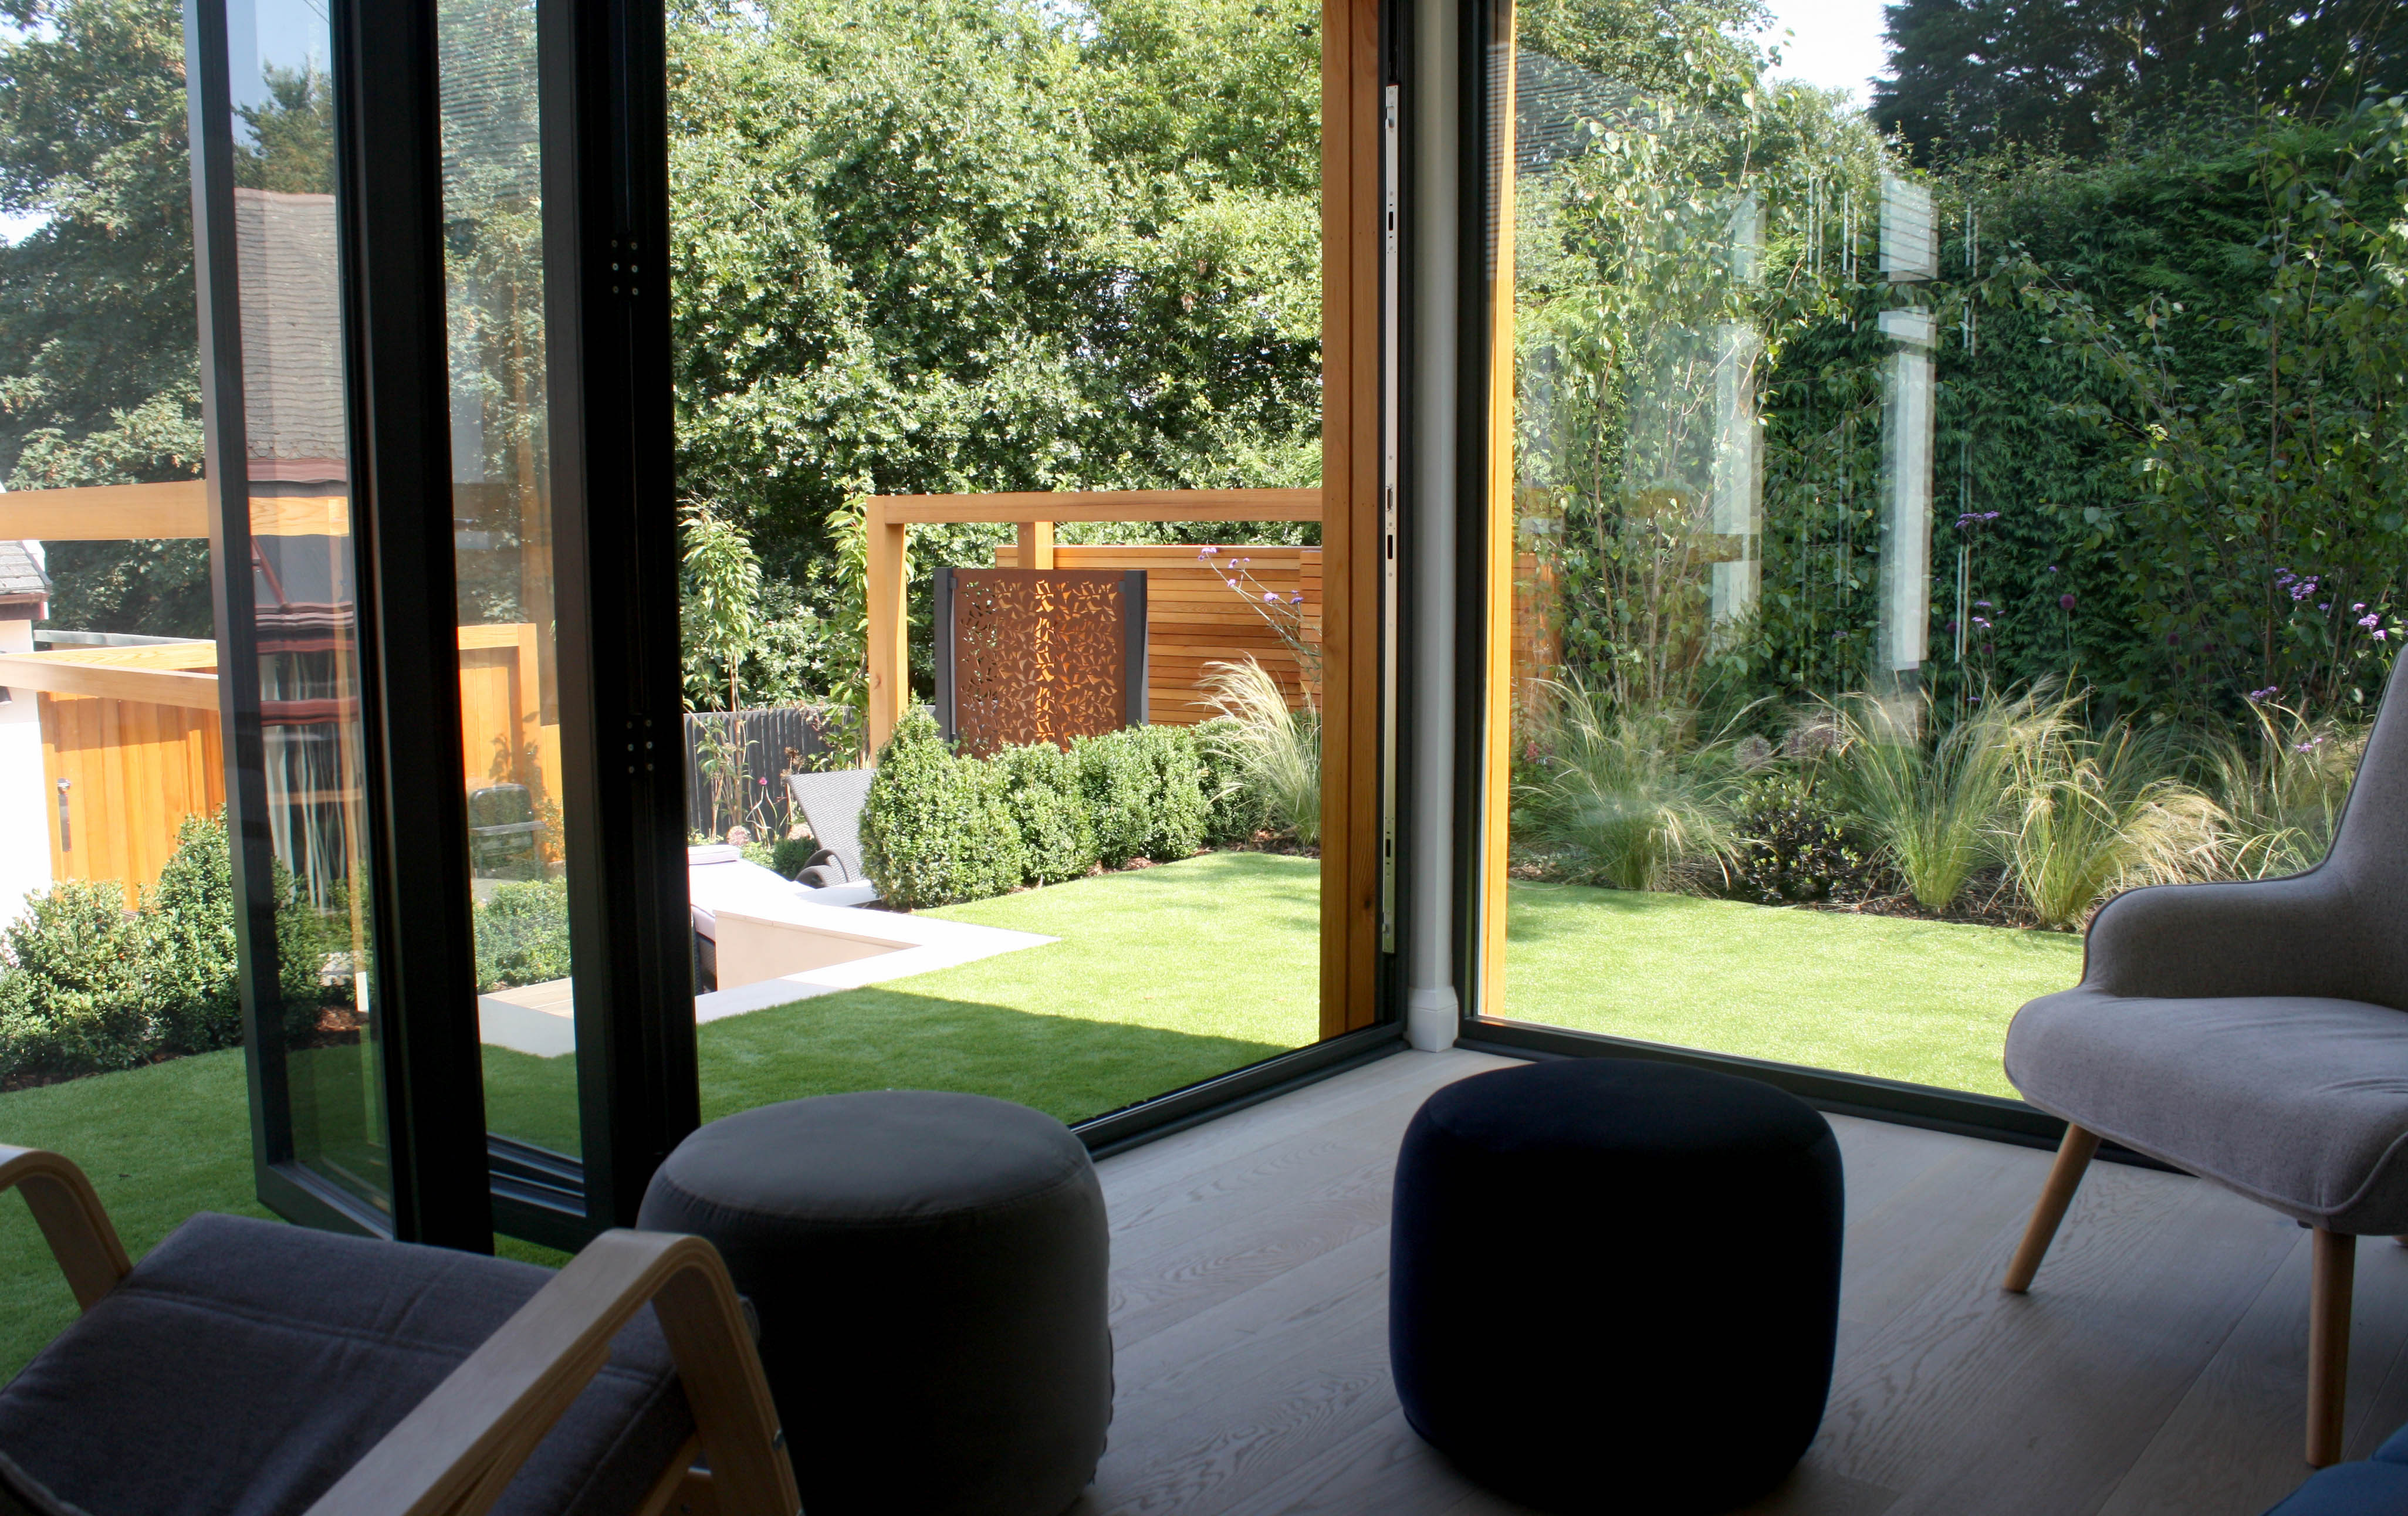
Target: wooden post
(2335, 1260)
(2064, 1177)
(890, 627)
(1036, 544)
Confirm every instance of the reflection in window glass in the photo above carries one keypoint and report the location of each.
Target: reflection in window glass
(303, 581)
(1936, 510)
(501, 498)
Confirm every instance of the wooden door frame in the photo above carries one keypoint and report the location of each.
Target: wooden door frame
(1347, 506)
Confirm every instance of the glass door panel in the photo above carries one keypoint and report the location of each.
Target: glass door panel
(303, 841)
(1880, 455)
(510, 666)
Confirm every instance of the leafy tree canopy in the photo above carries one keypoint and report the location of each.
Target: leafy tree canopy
(2065, 75)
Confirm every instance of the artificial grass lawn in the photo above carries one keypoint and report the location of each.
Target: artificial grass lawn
(1927, 1002)
(1163, 977)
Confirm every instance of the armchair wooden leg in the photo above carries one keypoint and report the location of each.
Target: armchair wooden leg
(2329, 1301)
(2073, 1156)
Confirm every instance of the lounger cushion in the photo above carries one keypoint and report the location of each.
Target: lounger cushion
(2297, 1102)
(245, 1365)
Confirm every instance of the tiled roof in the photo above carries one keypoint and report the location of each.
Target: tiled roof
(20, 577)
(292, 327)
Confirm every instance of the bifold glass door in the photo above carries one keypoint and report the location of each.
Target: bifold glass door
(1904, 531)
(287, 572)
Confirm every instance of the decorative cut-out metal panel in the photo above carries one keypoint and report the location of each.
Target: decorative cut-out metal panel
(1038, 655)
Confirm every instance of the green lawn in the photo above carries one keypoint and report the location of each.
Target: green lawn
(1923, 1001)
(1163, 977)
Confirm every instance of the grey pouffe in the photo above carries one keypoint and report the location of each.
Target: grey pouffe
(931, 1274)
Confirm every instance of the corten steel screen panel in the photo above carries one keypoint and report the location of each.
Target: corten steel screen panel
(1039, 655)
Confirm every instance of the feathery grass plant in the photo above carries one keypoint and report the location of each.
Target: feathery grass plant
(2099, 815)
(1276, 750)
(2282, 801)
(1624, 794)
(1934, 806)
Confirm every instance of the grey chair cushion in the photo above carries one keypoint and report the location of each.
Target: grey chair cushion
(244, 1366)
(2299, 1102)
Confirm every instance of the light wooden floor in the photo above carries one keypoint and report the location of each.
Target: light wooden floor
(2158, 1366)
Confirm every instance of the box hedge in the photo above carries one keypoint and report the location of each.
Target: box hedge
(938, 828)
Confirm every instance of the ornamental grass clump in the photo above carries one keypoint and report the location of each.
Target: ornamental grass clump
(2281, 788)
(1621, 799)
(1275, 751)
(2095, 816)
(1933, 806)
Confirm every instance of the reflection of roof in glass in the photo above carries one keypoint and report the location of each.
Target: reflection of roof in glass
(21, 578)
(286, 248)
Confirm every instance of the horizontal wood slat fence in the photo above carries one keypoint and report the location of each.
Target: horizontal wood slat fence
(1199, 619)
(1194, 618)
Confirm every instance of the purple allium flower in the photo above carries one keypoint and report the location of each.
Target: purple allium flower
(1952, 628)
(2173, 639)
(2065, 602)
(1985, 647)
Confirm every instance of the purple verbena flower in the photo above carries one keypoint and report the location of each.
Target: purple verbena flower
(2268, 693)
(1271, 598)
(2370, 619)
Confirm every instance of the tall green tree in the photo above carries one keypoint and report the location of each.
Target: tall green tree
(1971, 75)
(99, 376)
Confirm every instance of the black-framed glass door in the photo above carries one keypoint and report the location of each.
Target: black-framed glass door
(393, 206)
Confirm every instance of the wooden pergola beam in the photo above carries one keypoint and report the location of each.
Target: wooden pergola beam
(155, 512)
(891, 517)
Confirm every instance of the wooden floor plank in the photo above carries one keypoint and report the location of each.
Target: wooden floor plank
(2235, 1442)
(1972, 1400)
(1250, 1287)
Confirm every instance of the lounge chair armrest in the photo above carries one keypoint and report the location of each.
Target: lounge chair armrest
(72, 1219)
(455, 1452)
(2253, 937)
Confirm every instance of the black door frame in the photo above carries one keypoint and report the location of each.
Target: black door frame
(603, 71)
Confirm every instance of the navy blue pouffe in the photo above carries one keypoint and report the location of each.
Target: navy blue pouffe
(1614, 1285)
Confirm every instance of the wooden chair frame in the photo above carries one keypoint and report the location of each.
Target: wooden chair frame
(455, 1452)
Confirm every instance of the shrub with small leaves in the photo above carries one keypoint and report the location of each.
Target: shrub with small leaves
(71, 995)
(938, 828)
(1233, 809)
(522, 935)
(1794, 846)
(1145, 787)
(1041, 782)
(790, 855)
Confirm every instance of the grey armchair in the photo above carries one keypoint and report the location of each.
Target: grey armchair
(2254, 1034)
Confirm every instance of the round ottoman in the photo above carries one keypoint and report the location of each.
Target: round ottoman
(930, 1271)
(1613, 1285)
